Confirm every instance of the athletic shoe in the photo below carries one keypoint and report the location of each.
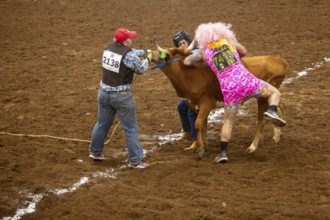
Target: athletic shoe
(221, 158)
(140, 165)
(275, 118)
(96, 156)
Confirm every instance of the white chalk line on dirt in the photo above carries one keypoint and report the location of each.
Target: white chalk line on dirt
(30, 206)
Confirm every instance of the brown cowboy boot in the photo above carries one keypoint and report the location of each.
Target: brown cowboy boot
(184, 136)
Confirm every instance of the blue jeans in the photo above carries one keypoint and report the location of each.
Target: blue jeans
(122, 104)
(188, 118)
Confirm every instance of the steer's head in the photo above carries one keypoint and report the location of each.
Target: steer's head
(167, 54)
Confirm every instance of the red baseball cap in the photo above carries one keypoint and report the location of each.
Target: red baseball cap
(123, 34)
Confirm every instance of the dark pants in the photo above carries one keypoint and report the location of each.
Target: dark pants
(188, 118)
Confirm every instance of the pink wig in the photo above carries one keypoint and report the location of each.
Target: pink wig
(211, 32)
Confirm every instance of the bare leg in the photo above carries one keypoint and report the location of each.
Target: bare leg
(229, 120)
(226, 132)
(274, 96)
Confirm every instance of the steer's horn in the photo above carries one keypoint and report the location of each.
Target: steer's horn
(190, 48)
(159, 48)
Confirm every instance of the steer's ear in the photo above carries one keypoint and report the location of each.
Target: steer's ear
(173, 50)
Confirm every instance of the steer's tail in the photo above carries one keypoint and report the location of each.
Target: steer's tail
(282, 62)
(279, 66)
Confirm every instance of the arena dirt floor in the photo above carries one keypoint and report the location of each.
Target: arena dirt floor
(50, 70)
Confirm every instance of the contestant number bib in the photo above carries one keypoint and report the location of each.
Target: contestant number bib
(224, 57)
(111, 61)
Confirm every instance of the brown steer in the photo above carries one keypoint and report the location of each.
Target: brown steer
(199, 85)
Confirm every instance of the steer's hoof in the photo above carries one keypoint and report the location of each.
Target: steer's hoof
(251, 149)
(277, 134)
(199, 154)
(193, 146)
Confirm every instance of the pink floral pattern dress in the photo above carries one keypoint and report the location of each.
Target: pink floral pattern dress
(235, 80)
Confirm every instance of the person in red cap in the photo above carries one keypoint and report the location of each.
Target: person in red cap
(119, 63)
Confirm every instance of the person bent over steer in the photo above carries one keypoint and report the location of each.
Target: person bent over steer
(222, 52)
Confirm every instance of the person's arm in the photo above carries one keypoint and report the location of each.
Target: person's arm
(193, 58)
(140, 53)
(241, 50)
(133, 62)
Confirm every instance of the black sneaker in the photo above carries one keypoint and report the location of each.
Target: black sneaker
(221, 158)
(96, 156)
(275, 118)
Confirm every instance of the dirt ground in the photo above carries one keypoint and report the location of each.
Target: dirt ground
(50, 70)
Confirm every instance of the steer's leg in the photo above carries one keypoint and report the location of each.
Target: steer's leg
(204, 133)
(277, 129)
(262, 107)
(204, 110)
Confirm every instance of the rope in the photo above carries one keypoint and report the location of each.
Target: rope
(162, 64)
(63, 138)
(43, 135)
(58, 138)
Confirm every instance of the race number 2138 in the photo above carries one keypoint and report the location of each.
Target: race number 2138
(111, 61)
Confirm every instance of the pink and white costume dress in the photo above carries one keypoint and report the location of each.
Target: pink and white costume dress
(235, 80)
